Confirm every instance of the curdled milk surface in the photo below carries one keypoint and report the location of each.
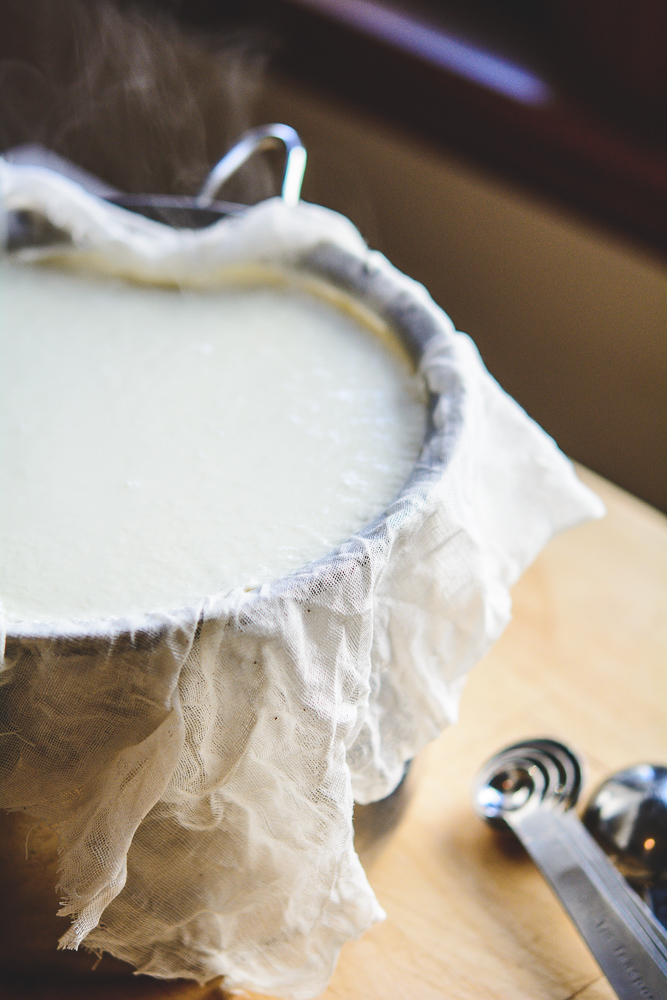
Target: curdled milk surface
(158, 445)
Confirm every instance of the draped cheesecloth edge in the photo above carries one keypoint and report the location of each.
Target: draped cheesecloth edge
(200, 767)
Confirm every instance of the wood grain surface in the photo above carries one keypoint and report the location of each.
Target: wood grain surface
(468, 915)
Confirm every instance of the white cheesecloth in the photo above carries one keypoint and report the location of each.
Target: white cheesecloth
(200, 767)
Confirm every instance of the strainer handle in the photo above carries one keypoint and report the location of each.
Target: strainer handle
(263, 137)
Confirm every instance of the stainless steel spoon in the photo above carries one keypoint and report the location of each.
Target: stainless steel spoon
(627, 815)
(530, 787)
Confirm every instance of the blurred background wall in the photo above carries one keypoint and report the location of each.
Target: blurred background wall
(540, 227)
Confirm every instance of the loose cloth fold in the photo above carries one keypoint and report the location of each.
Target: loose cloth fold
(200, 767)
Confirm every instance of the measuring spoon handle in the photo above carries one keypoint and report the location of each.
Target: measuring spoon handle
(635, 967)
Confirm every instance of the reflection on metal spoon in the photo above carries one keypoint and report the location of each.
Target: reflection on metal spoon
(530, 788)
(627, 815)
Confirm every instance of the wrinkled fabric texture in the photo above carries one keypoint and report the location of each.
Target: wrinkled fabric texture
(200, 767)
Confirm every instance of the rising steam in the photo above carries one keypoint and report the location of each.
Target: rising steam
(127, 95)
